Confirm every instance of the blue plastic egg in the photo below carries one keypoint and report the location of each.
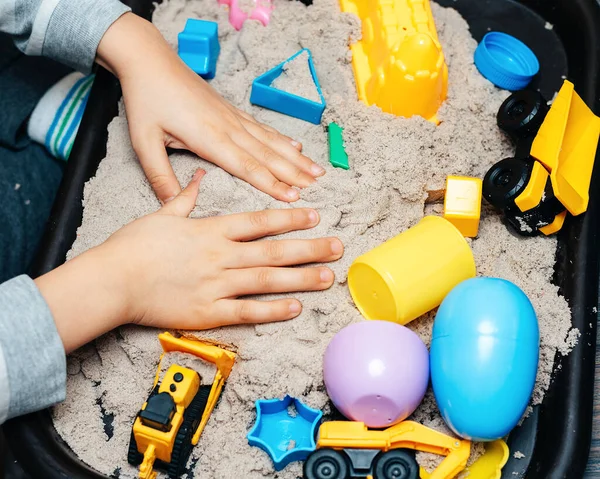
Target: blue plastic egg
(484, 357)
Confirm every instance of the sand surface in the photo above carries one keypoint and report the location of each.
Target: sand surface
(394, 163)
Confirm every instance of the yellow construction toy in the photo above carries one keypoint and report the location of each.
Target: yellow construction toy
(172, 419)
(552, 168)
(398, 64)
(349, 449)
(462, 204)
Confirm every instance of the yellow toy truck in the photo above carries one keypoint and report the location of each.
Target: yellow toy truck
(552, 168)
(398, 63)
(348, 449)
(172, 419)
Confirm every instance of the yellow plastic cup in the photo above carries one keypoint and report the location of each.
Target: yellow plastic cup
(411, 273)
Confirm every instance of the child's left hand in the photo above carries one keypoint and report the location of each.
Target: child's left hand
(168, 105)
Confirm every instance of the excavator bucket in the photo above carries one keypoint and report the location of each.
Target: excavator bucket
(222, 359)
(398, 64)
(566, 145)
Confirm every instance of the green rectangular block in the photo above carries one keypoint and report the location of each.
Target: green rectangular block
(337, 153)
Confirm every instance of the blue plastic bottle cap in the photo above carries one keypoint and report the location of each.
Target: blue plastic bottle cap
(505, 61)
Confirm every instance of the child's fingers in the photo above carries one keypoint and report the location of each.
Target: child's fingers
(286, 252)
(241, 311)
(258, 224)
(268, 280)
(157, 167)
(283, 146)
(242, 164)
(183, 204)
(251, 119)
(280, 167)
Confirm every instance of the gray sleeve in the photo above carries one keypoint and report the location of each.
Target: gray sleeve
(32, 356)
(67, 31)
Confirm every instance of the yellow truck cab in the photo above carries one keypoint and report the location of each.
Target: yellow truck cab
(551, 172)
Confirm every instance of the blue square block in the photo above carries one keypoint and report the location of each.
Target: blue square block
(263, 94)
(198, 46)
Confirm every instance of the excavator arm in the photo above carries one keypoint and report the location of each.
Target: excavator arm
(220, 357)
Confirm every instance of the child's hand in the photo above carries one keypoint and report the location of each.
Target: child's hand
(169, 105)
(168, 271)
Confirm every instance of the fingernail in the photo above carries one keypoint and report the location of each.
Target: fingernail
(317, 170)
(295, 307)
(313, 217)
(326, 275)
(295, 143)
(292, 194)
(336, 246)
(198, 174)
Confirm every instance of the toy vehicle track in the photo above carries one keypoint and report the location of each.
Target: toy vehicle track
(182, 447)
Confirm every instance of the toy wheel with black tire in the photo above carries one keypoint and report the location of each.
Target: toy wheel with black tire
(326, 464)
(522, 114)
(397, 464)
(505, 181)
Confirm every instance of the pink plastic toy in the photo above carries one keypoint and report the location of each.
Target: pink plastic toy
(237, 17)
(376, 372)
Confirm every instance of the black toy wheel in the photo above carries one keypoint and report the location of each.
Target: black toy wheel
(326, 464)
(397, 464)
(522, 114)
(505, 181)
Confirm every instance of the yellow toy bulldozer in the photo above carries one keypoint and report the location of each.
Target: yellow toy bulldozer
(552, 168)
(172, 419)
(349, 449)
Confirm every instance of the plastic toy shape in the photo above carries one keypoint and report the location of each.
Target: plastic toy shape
(489, 466)
(265, 95)
(172, 419)
(349, 449)
(337, 153)
(198, 46)
(284, 435)
(484, 357)
(411, 274)
(398, 64)
(505, 61)
(552, 168)
(462, 204)
(237, 17)
(376, 372)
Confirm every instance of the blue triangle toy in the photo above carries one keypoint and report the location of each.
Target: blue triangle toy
(263, 94)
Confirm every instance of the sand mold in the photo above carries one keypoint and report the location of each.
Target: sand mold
(394, 163)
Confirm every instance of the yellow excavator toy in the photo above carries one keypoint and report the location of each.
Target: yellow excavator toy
(171, 421)
(349, 449)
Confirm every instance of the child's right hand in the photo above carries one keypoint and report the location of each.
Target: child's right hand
(168, 271)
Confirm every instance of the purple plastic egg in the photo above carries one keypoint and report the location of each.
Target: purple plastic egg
(376, 372)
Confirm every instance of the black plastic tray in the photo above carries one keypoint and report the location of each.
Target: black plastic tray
(556, 437)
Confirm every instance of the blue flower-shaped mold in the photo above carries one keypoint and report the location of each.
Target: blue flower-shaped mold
(286, 437)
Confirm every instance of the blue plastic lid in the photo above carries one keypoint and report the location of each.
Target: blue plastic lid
(505, 61)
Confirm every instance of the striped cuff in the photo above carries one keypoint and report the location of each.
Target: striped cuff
(56, 118)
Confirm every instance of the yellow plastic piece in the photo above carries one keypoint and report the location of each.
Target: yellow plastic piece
(488, 466)
(406, 435)
(398, 64)
(556, 225)
(566, 145)
(533, 192)
(411, 274)
(462, 204)
(156, 444)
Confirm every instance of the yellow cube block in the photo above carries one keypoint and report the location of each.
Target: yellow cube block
(462, 204)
